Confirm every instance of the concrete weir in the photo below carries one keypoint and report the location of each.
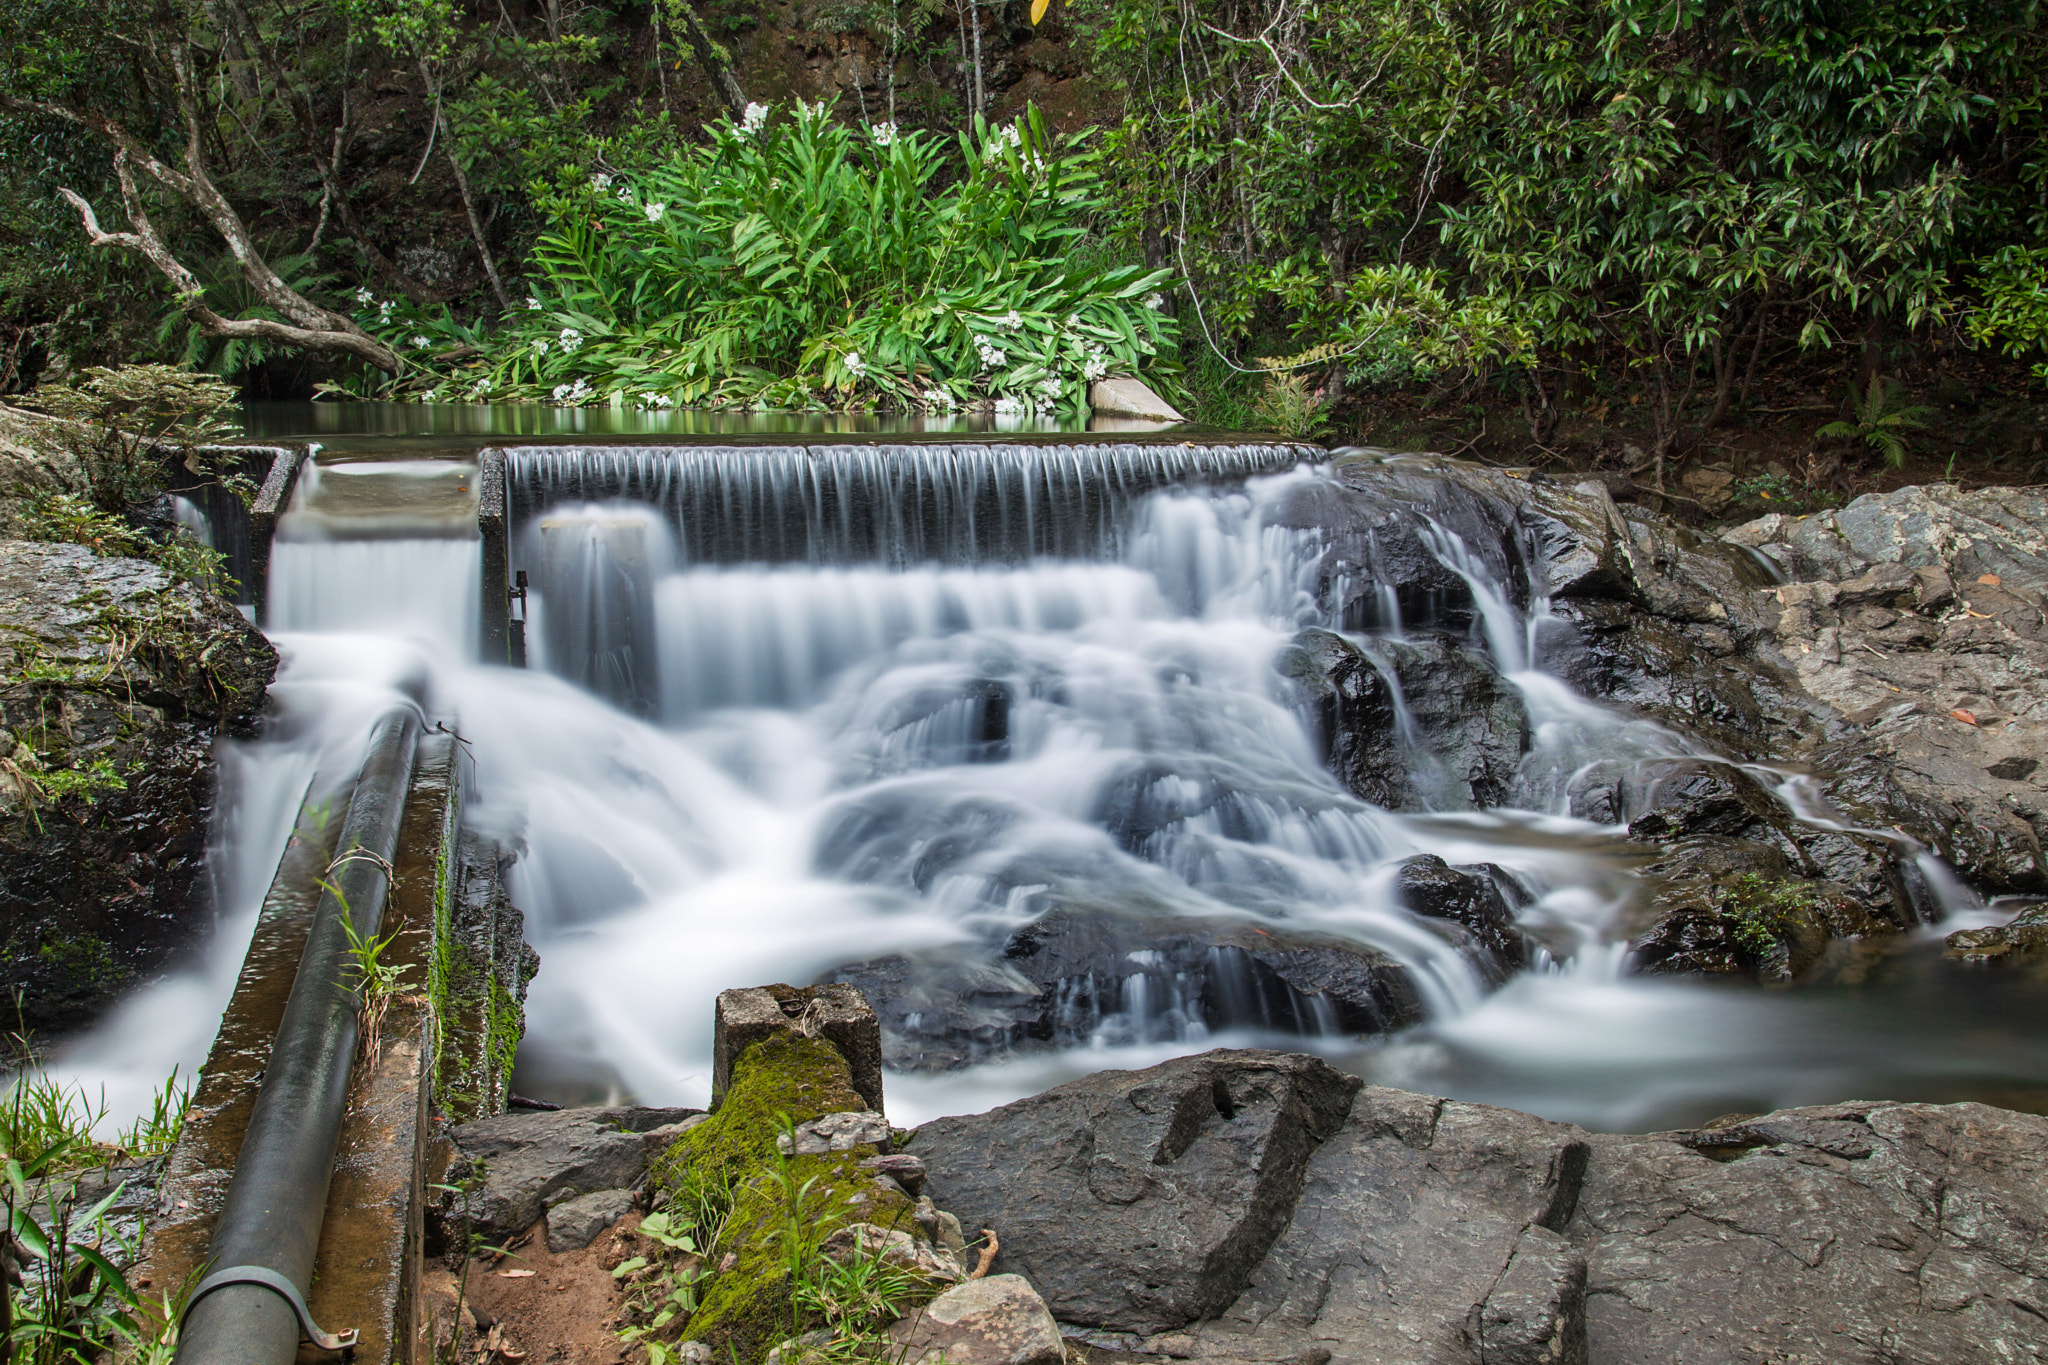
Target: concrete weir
(365, 1274)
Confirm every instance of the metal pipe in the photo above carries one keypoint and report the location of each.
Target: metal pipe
(269, 1228)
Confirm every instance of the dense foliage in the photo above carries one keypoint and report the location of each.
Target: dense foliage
(794, 262)
(1680, 184)
(1519, 201)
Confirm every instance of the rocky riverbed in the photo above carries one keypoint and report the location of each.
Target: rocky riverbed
(1247, 1207)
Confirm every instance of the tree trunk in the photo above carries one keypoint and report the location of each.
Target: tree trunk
(711, 55)
(1872, 358)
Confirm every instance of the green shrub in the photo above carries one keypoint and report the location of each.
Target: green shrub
(131, 414)
(795, 262)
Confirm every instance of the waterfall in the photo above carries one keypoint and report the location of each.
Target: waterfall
(996, 730)
(886, 504)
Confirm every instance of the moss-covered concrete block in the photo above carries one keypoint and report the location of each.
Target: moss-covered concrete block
(763, 1218)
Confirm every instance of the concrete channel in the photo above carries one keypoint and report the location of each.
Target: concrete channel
(306, 1151)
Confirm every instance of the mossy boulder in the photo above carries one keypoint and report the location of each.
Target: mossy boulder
(114, 682)
(764, 1217)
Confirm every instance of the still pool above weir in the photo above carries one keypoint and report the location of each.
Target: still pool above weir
(930, 716)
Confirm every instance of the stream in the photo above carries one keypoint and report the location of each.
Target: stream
(785, 717)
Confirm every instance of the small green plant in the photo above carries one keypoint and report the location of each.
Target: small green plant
(1760, 911)
(668, 1291)
(66, 519)
(74, 1302)
(370, 978)
(131, 414)
(53, 1127)
(1289, 407)
(1879, 419)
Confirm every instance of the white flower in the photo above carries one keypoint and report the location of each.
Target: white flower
(624, 196)
(600, 182)
(541, 344)
(755, 119)
(658, 400)
(533, 304)
(1156, 301)
(1011, 321)
(654, 211)
(384, 311)
(939, 398)
(571, 339)
(883, 134)
(572, 393)
(420, 343)
(1007, 133)
(1050, 390)
(993, 357)
(1011, 407)
(364, 295)
(1094, 363)
(855, 366)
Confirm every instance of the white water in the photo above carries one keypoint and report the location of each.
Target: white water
(760, 773)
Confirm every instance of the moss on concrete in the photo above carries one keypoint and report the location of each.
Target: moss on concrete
(781, 1208)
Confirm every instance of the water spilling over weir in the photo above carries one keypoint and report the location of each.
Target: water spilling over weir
(1012, 736)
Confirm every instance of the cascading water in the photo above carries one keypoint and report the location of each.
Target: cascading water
(892, 713)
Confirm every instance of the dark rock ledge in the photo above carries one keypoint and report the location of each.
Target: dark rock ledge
(1257, 1207)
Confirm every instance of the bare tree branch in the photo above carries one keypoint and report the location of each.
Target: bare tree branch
(307, 325)
(192, 297)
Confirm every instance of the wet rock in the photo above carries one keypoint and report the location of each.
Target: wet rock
(508, 1169)
(115, 686)
(575, 1222)
(1411, 724)
(2023, 939)
(996, 1320)
(1846, 1232)
(1077, 973)
(37, 458)
(1426, 1230)
(834, 1133)
(1470, 898)
(1141, 1201)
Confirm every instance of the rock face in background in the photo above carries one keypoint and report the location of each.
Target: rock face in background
(1410, 1228)
(113, 685)
(1901, 669)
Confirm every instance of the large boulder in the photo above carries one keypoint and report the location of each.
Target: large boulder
(1141, 1201)
(1459, 1234)
(115, 683)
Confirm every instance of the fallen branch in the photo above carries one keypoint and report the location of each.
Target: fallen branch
(988, 1255)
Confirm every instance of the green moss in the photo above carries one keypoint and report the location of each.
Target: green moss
(504, 1026)
(87, 960)
(781, 1208)
(1761, 913)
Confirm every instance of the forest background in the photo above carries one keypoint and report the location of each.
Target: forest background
(1736, 254)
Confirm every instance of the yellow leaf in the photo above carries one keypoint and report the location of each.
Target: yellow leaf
(1038, 8)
